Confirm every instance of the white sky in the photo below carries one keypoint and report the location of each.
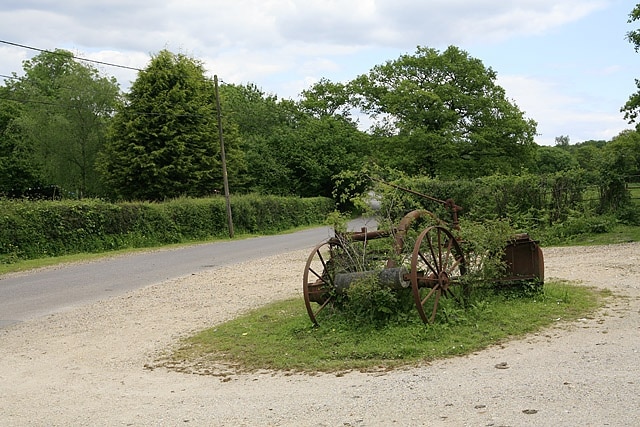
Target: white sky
(566, 63)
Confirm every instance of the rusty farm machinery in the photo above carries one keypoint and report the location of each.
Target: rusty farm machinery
(435, 266)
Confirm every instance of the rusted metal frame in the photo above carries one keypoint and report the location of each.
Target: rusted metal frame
(358, 236)
(449, 204)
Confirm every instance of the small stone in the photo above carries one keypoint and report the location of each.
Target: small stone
(502, 365)
(530, 411)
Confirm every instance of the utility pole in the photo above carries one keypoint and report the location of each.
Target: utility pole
(225, 179)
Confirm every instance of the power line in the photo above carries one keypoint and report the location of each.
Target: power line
(70, 105)
(27, 101)
(21, 78)
(73, 56)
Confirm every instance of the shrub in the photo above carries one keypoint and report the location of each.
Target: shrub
(35, 229)
(628, 214)
(578, 224)
(369, 303)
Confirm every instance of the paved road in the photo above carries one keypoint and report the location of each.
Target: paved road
(33, 294)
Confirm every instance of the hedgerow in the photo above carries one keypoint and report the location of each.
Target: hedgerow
(36, 229)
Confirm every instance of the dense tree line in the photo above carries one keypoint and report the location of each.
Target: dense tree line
(434, 114)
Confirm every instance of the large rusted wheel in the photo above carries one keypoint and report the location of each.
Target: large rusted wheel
(318, 285)
(437, 267)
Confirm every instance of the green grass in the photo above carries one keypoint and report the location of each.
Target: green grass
(280, 336)
(619, 234)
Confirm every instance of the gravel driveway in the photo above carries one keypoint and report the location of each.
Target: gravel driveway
(87, 366)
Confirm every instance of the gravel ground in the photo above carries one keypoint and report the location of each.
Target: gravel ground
(87, 366)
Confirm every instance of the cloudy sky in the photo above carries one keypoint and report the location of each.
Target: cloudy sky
(566, 63)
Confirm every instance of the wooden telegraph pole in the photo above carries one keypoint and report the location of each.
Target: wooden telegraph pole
(225, 179)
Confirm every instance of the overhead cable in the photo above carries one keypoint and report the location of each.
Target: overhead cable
(73, 56)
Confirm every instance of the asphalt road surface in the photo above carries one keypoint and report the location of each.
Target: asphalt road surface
(41, 292)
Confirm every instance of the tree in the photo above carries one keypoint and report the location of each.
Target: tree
(550, 160)
(563, 141)
(264, 125)
(619, 162)
(294, 148)
(634, 36)
(626, 147)
(18, 169)
(443, 115)
(326, 98)
(632, 107)
(163, 142)
(588, 154)
(63, 120)
(330, 142)
(322, 148)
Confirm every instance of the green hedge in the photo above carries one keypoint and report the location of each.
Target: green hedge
(36, 229)
(551, 207)
(550, 198)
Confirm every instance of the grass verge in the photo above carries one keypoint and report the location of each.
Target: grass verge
(620, 234)
(280, 337)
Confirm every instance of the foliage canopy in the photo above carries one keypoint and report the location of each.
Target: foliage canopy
(437, 114)
(444, 115)
(163, 141)
(55, 134)
(632, 107)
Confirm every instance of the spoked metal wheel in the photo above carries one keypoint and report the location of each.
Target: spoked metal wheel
(318, 284)
(437, 267)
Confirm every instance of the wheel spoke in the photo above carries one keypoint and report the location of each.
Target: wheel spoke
(431, 292)
(316, 274)
(433, 256)
(435, 306)
(432, 268)
(453, 266)
(448, 252)
(323, 305)
(324, 264)
(440, 263)
(453, 295)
